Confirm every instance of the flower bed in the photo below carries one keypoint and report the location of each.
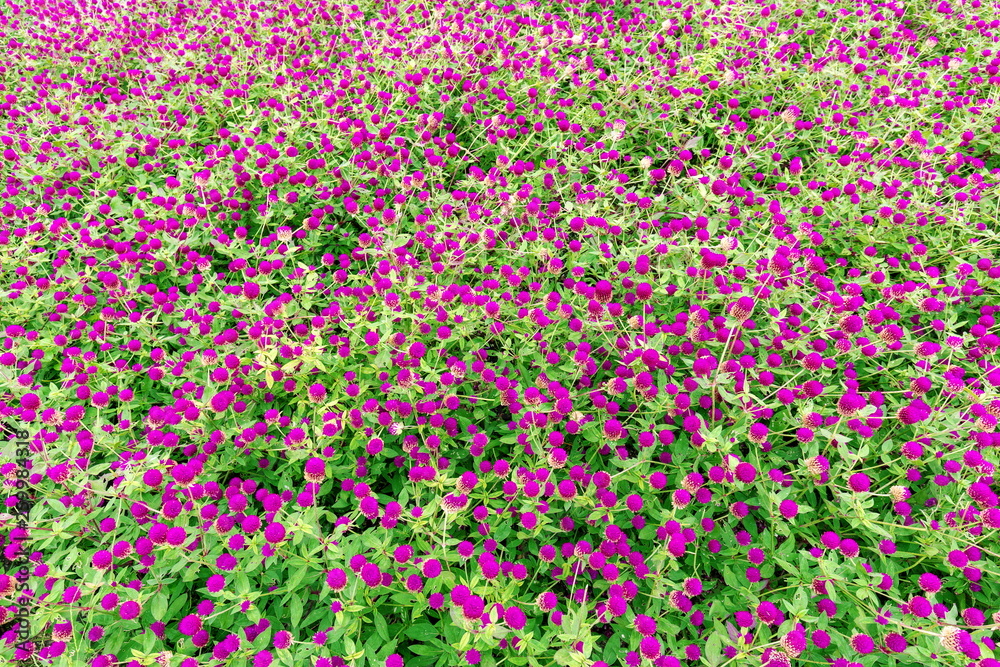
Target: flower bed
(612, 333)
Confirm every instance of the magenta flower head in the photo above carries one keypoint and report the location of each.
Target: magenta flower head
(859, 482)
(742, 308)
(129, 610)
(371, 575)
(336, 579)
(745, 472)
(515, 618)
(282, 639)
(102, 560)
(817, 465)
(895, 642)
(788, 509)
(221, 401)
(758, 433)
(850, 404)
(547, 601)
(317, 393)
(190, 625)
(929, 583)
(251, 290)
(30, 401)
(794, 643)
(274, 533)
(566, 489)
(862, 643)
(645, 625)
(315, 470)
(650, 648)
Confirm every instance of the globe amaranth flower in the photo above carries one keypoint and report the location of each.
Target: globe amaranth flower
(431, 568)
(919, 606)
(190, 625)
(547, 601)
(929, 583)
(315, 470)
(336, 579)
(102, 560)
(745, 472)
(794, 643)
(274, 533)
(862, 643)
(769, 614)
(215, 583)
(515, 618)
(849, 548)
(677, 600)
(817, 465)
(317, 393)
(859, 482)
(955, 639)
(371, 575)
(566, 489)
(789, 509)
(645, 625)
(649, 647)
(221, 401)
(758, 433)
(451, 504)
(895, 642)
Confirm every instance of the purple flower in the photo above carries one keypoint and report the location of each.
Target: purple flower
(862, 643)
(895, 642)
(929, 583)
(129, 610)
(315, 470)
(274, 533)
(859, 482)
(371, 575)
(221, 401)
(336, 579)
(650, 648)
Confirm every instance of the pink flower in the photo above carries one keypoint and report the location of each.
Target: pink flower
(745, 472)
(547, 601)
(336, 579)
(788, 508)
(862, 643)
(315, 470)
(274, 533)
(650, 648)
(371, 575)
(929, 583)
(317, 393)
(859, 482)
(282, 639)
(190, 625)
(645, 625)
(895, 642)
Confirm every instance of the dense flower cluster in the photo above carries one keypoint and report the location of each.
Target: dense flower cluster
(627, 333)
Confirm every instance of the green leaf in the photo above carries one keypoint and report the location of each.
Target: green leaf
(380, 627)
(298, 573)
(713, 650)
(612, 649)
(295, 610)
(158, 607)
(422, 632)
